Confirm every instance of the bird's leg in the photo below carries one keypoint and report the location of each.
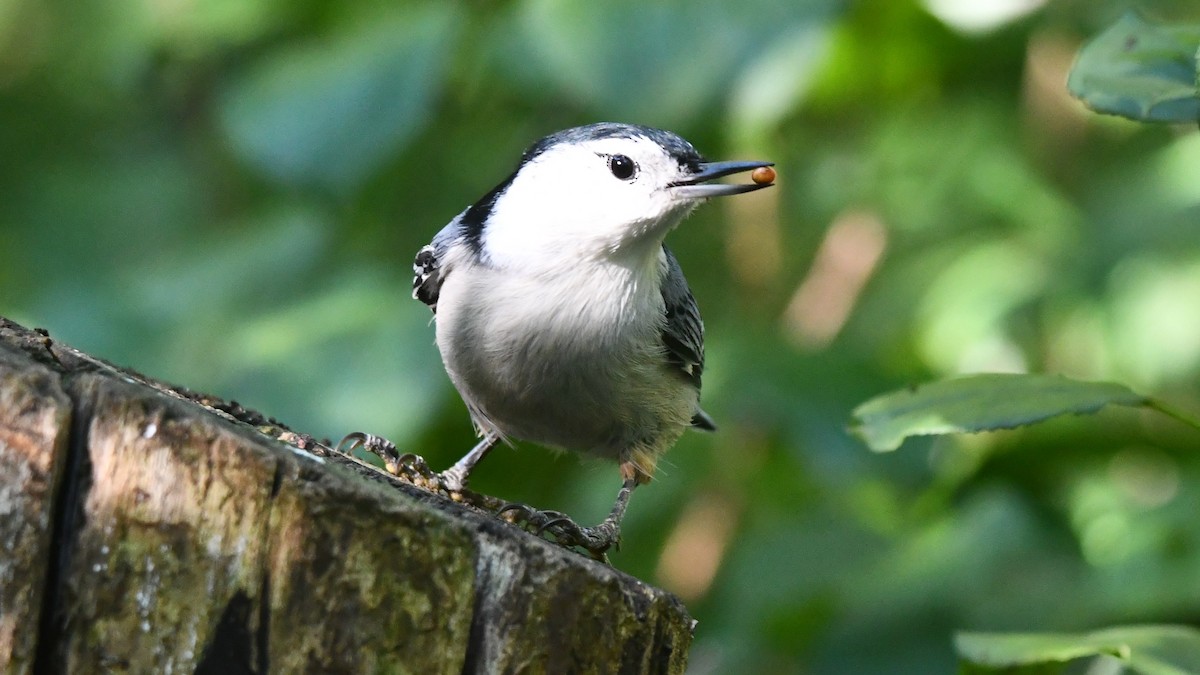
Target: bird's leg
(455, 478)
(596, 540)
(409, 465)
(395, 462)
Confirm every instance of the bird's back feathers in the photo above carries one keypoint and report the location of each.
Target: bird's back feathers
(428, 272)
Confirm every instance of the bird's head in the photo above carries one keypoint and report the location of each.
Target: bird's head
(598, 191)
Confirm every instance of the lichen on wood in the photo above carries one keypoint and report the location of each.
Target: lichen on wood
(153, 529)
(35, 418)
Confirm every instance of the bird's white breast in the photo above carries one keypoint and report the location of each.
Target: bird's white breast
(570, 359)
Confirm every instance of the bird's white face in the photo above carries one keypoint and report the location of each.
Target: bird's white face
(602, 198)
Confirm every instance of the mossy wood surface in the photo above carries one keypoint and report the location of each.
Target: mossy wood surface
(149, 529)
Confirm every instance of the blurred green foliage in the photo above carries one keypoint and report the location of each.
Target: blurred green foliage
(228, 194)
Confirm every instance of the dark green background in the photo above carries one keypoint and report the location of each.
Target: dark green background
(228, 194)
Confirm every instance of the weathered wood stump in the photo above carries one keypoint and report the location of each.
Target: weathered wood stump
(148, 529)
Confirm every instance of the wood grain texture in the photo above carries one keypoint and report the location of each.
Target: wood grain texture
(159, 532)
(35, 418)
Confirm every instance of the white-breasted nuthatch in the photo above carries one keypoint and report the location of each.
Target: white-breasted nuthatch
(561, 317)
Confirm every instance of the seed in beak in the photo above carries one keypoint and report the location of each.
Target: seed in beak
(763, 175)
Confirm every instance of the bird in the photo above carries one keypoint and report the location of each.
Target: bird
(562, 318)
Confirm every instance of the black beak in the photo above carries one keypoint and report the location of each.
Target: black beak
(694, 187)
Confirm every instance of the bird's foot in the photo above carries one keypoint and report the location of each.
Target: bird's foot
(409, 466)
(596, 540)
(412, 469)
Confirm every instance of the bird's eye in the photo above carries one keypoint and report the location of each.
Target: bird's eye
(622, 167)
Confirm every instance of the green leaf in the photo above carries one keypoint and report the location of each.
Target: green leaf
(1140, 70)
(1149, 650)
(331, 113)
(980, 403)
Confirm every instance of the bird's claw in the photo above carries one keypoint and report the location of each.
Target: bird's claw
(595, 540)
(530, 518)
(407, 464)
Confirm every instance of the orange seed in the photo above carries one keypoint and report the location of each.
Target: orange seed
(763, 175)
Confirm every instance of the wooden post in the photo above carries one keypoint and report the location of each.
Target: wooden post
(147, 529)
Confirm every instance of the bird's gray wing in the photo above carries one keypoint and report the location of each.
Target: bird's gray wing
(428, 269)
(683, 334)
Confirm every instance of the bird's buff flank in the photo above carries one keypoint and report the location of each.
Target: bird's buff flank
(561, 317)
